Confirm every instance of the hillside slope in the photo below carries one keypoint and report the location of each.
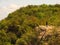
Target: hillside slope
(19, 27)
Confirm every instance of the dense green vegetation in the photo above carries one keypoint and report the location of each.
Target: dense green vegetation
(19, 27)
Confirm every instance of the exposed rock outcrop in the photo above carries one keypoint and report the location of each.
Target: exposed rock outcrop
(44, 30)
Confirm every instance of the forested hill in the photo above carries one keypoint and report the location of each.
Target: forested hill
(38, 13)
(19, 27)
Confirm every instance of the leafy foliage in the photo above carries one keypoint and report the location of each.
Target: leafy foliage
(19, 27)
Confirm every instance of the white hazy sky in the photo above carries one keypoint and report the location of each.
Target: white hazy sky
(8, 6)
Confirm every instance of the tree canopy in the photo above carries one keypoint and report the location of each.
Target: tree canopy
(19, 27)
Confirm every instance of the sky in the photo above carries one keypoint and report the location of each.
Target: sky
(8, 6)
